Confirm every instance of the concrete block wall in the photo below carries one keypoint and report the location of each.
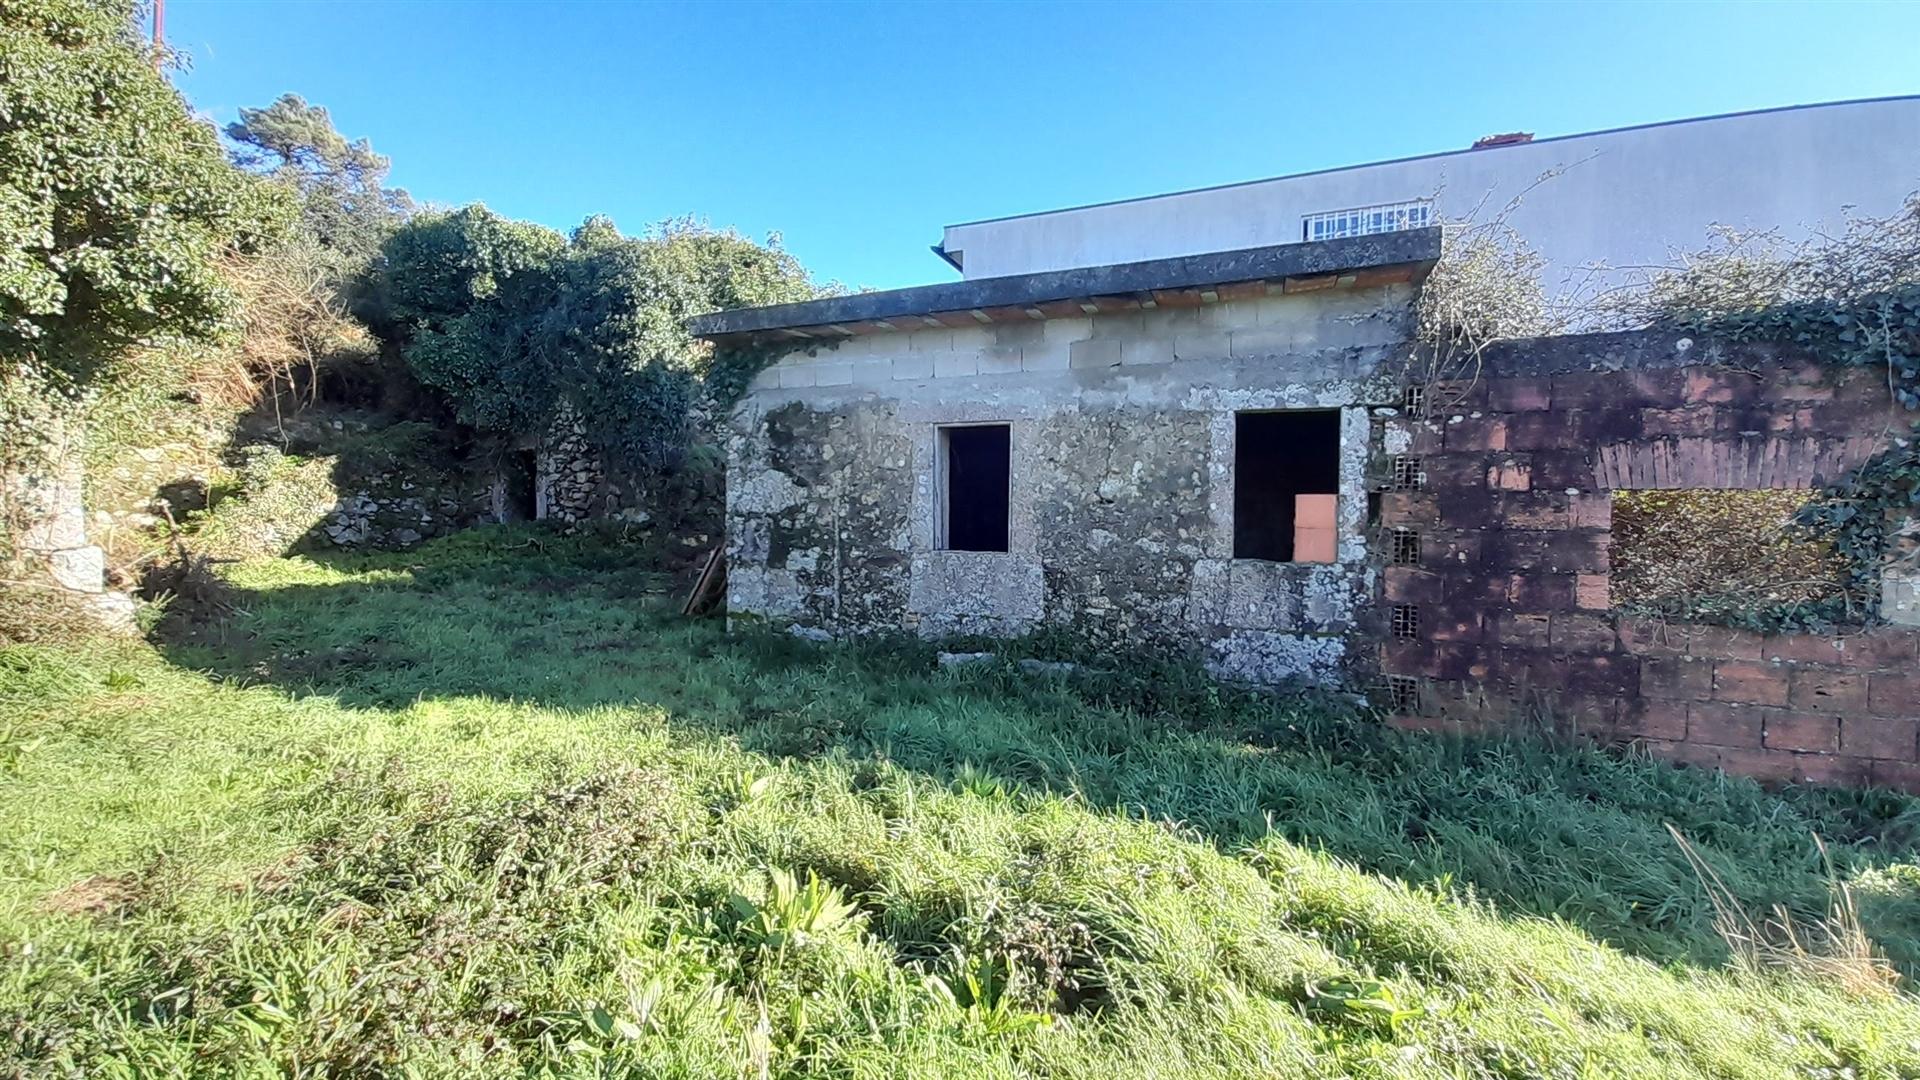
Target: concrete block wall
(1512, 520)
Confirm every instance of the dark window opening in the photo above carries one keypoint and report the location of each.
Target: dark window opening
(979, 469)
(1279, 457)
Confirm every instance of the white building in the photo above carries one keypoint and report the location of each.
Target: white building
(1627, 197)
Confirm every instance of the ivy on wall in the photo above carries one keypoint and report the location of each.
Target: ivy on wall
(517, 325)
(1861, 514)
(1850, 300)
(1870, 516)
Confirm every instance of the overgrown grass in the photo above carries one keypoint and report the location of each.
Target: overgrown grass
(486, 808)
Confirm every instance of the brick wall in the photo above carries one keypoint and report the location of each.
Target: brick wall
(1503, 609)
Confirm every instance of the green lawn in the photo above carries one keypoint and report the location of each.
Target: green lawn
(490, 809)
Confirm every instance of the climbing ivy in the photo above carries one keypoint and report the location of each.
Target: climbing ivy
(1848, 301)
(1860, 513)
(518, 326)
(1868, 512)
(1881, 329)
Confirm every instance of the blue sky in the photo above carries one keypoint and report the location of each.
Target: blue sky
(858, 130)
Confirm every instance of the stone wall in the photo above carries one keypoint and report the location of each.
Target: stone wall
(1511, 516)
(1122, 433)
(42, 504)
(572, 482)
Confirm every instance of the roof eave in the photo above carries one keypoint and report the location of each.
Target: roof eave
(1189, 280)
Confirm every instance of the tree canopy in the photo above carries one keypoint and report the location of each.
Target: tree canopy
(115, 203)
(515, 323)
(343, 203)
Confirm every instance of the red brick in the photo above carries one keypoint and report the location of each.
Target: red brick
(1409, 507)
(1612, 389)
(1487, 591)
(1519, 395)
(1893, 695)
(1510, 474)
(1898, 775)
(1655, 386)
(1531, 509)
(1650, 637)
(1477, 433)
(1573, 714)
(1654, 719)
(1435, 660)
(1684, 753)
(1766, 766)
(1676, 677)
(1409, 585)
(1452, 621)
(1724, 725)
(1437, 724)
(1456, 393)
(1592, 591)
(1518, 628)
(1448, 471)
(1537, 592)
(1806, 649)
(1563, 551)
(1800, 382)
(1582, 633)
(1706, 386)
(1823, 690)
(1547, 431)
(1802, 731)
(1591, 511)
(1470, 508)
(1895, 740)
(1886, 647)
(1721, 642)
(1608, 674)
(1831, 769)
(1442, 550)
(1562, 469)
(1694, 420)
(1750, 684)
(1892, 648)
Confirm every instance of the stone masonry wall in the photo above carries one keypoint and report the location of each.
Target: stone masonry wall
(1510, 515)
(1122, 444)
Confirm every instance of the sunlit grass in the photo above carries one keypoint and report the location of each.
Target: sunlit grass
(490, 809)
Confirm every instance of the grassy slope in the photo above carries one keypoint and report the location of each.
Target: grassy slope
(482, 809)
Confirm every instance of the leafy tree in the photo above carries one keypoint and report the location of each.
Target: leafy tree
(458, 294)
(115, 203)
(513, 323)
(344, 204)
(618, 327)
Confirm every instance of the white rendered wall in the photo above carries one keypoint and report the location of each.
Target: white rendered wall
(1630, 197)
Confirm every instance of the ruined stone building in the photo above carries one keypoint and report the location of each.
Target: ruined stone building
(1072, 448)
(1227, 455)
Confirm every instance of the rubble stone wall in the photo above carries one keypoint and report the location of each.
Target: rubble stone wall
(1122, 445)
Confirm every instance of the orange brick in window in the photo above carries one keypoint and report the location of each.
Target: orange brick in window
(1313, 528)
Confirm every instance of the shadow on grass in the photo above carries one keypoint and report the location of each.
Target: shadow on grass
(1536, 827)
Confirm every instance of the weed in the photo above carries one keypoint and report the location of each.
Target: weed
(794, 915)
